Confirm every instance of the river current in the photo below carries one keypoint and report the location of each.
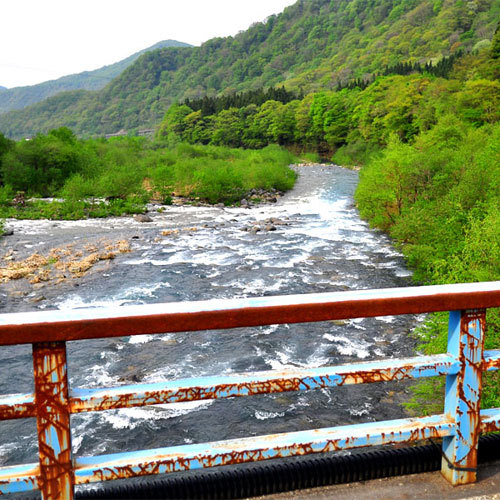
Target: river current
(320, 244)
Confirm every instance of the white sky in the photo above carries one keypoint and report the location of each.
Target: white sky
(43, 40)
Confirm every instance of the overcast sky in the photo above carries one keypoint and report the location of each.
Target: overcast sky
(43, 40)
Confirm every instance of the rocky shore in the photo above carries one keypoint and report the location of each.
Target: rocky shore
(42, 258)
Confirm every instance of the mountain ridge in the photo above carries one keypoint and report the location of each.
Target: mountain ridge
(312, 45)
(20, 97)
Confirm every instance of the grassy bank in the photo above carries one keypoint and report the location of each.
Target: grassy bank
(129, 172)
(439, 198)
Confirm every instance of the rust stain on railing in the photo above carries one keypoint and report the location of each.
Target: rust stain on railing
(53, 401)
(53, 419)
(121, 466)
(17, 406)
(254, 383)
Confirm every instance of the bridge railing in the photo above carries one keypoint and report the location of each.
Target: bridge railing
(53, 401)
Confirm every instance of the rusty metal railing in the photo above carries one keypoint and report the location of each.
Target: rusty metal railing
(53, 401)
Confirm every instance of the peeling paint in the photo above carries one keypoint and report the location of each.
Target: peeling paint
(53, 402)
(53, 420)
(17, 406)
(188, 457)
(463, 395)
(248, 384)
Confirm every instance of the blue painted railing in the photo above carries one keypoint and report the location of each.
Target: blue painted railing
(52, 403)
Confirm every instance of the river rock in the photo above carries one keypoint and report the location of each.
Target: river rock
(143, 218)
(38, 299)
(8, 231)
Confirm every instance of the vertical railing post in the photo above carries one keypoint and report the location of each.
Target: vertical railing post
(53, 420)
(463, 395)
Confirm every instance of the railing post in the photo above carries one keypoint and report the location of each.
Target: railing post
(463, 395)
(53, 420)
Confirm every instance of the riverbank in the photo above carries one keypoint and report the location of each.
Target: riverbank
(41, 259)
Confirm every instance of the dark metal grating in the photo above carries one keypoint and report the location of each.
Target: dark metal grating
(285, 475)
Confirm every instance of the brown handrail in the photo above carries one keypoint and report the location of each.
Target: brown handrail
(57, 326)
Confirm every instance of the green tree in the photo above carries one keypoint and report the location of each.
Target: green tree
(41, 165)
(228, 128)
(5, 146)
(337, 119)
(173, 121)
(283, 128)
(479, 102)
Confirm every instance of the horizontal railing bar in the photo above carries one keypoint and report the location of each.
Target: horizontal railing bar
(490, 420)
(23, 405)
(247, 384)
(196, 456)
(19, 478)
(17, 406)
(491, 360)
(48, 326)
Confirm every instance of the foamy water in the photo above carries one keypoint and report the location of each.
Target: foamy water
(319, 244)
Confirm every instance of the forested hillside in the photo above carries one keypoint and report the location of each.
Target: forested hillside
(20, 97)
(313, 45)
(353, 122)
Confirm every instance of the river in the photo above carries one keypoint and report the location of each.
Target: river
(194, 253)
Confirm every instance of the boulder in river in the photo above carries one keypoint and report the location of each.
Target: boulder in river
(143, 218)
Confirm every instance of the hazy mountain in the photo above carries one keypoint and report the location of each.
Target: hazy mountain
(20, 97)
(312, 45)
(2, 88)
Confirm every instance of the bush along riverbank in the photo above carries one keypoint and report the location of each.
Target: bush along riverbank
(99, 178)
(439, 198)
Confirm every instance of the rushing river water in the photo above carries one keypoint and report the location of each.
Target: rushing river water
(319, 244)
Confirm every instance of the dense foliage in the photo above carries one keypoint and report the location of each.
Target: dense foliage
(20, 97)
(212, 105)
(313, 45)
(438, 196)
(352, 122)
(127, 172)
